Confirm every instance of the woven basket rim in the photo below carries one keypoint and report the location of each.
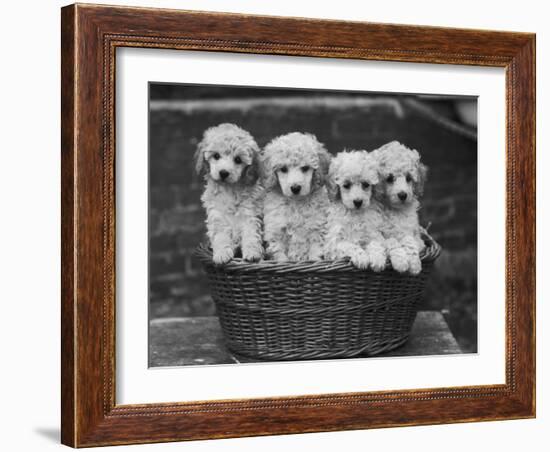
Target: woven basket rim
(204, 253)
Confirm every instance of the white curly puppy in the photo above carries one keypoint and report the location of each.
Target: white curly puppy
(402, 177)
(294, 168)
(232, 197)
(355, 218)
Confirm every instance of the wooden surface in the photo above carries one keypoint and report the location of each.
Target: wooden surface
(199, 341)
(91, 34)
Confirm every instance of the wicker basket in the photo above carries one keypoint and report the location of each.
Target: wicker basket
(310, 310)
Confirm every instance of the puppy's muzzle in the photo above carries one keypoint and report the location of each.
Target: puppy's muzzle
(402, 196)
(296, 189)
(357, 203)
(223, 174)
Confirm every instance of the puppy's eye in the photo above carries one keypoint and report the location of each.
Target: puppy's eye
(283, 169)
(305, 169)
(390, 179)
(216, 156)
(409, 178)
(365, 185)
(346, 185)
(238, 160)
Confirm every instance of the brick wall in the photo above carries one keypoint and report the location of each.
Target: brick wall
(176, 218)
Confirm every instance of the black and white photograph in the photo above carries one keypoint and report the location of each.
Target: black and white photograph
(296, 224)
(275, 226)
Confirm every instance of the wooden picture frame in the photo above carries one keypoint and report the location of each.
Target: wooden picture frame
(90, 36)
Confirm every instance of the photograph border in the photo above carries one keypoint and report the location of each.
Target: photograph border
(90, 36)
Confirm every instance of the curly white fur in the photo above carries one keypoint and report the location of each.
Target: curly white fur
(402, 179)
(233, 195)
(355, 218)
(294, 169)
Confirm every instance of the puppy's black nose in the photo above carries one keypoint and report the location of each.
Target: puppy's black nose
(402, 195)
(224, 174)
(296, 189)
(357, 203)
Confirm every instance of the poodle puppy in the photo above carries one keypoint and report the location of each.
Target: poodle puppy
(294, 168)
(402, 177)
(355, 218)
(228, 155)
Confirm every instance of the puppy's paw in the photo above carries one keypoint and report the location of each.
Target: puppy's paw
(223, 255)
(415, 265)
(280, 256)
(377, 261)
(399, 261)
(361, 260)
(252, 254)
(315, 255)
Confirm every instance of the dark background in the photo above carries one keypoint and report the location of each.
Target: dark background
(179, 114)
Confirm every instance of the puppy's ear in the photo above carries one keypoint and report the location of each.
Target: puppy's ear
(320, 176)
(252, 171)
(422, 174)
(266, 170)
(200, 163)
(378, 191)
(333, 190)
(324, 161)
(375, 175)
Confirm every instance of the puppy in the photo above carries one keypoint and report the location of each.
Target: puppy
(354, 217)
(402, 177)
(228, 155)
(294, 168)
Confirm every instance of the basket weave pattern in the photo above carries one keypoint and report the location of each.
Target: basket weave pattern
(311, 310)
